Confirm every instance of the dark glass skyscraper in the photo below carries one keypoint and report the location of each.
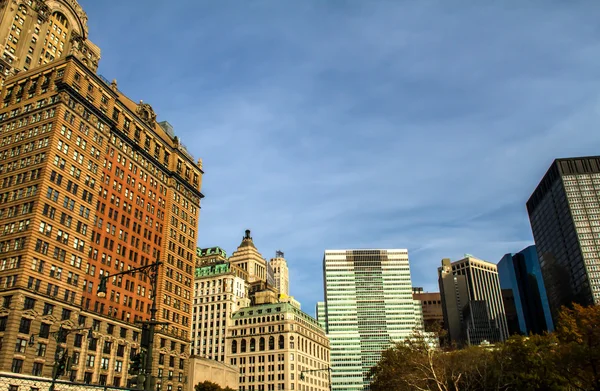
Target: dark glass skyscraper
(564, 211)
(523, 291)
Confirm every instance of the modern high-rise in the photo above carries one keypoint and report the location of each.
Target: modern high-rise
(220, 289)
(320, 313)
(276, 346)
(524, 292)
(90, 184)
(564, 211)
(37, 32)
(368, 305)
(472, 301)
(280, 273)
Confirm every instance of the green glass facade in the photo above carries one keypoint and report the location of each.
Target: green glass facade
(368, 305)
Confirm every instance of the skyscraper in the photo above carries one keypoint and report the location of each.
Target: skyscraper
(281, 273)
(320, 314)
(472, 301)
(564, 211)
(247, 257)
(91, 184)
(37, 32)
(368, 305)
(521, 282)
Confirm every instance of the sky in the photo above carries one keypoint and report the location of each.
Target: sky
(339, 124)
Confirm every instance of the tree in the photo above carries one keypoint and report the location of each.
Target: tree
(566, 360)
(414, 365)
(210, 386)
(578, 347)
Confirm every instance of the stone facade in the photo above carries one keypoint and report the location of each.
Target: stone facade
(219, 290)
(281, 273)
(273, 344)
(249, 259)
(90, 185)
(37, 32)
(203, 369)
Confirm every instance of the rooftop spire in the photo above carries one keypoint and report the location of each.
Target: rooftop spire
(247, 240)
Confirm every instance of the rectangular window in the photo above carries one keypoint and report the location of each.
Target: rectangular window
(90, 361)
(17, 365)
(29, 303)
(25, 326)
(37, 369)
(21, 345)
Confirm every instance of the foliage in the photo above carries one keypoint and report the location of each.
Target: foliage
(210, 386)
(566, 360)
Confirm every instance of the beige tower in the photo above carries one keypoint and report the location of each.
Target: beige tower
(281, 273)
(219, 290)
(36, 32)
(249, 259)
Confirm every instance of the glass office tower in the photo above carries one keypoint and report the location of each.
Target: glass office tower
(368, 305)
(522, 284)
(564, 211)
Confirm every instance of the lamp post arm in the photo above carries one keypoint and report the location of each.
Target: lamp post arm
(132, 271)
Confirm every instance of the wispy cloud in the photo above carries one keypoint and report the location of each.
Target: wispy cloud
(350, 124)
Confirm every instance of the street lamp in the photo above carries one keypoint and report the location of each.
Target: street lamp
(328, 369)
(101, 293)
(148, 327)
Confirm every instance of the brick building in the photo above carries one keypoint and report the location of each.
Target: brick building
(90, 184)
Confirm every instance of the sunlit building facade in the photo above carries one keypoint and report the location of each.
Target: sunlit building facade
(276, 346)
(90, 184)
(472, 301)
(220, 289)
(368, 305)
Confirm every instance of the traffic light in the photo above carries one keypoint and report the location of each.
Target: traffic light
(136, 368)
(136, 364)
(138, 381)
(101, 293)
(62, 365)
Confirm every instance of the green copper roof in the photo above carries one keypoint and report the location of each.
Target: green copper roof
(202, 252)
(212, 270)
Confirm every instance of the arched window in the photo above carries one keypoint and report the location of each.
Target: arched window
(61, 19)
(281, 342)
(271, 342)
(234, 347)
(243, 346)
(261, 344)
(252, 344)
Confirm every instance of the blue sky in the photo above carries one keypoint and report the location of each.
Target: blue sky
(363, 124)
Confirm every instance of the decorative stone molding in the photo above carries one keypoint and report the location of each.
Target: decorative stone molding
(146, 113)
